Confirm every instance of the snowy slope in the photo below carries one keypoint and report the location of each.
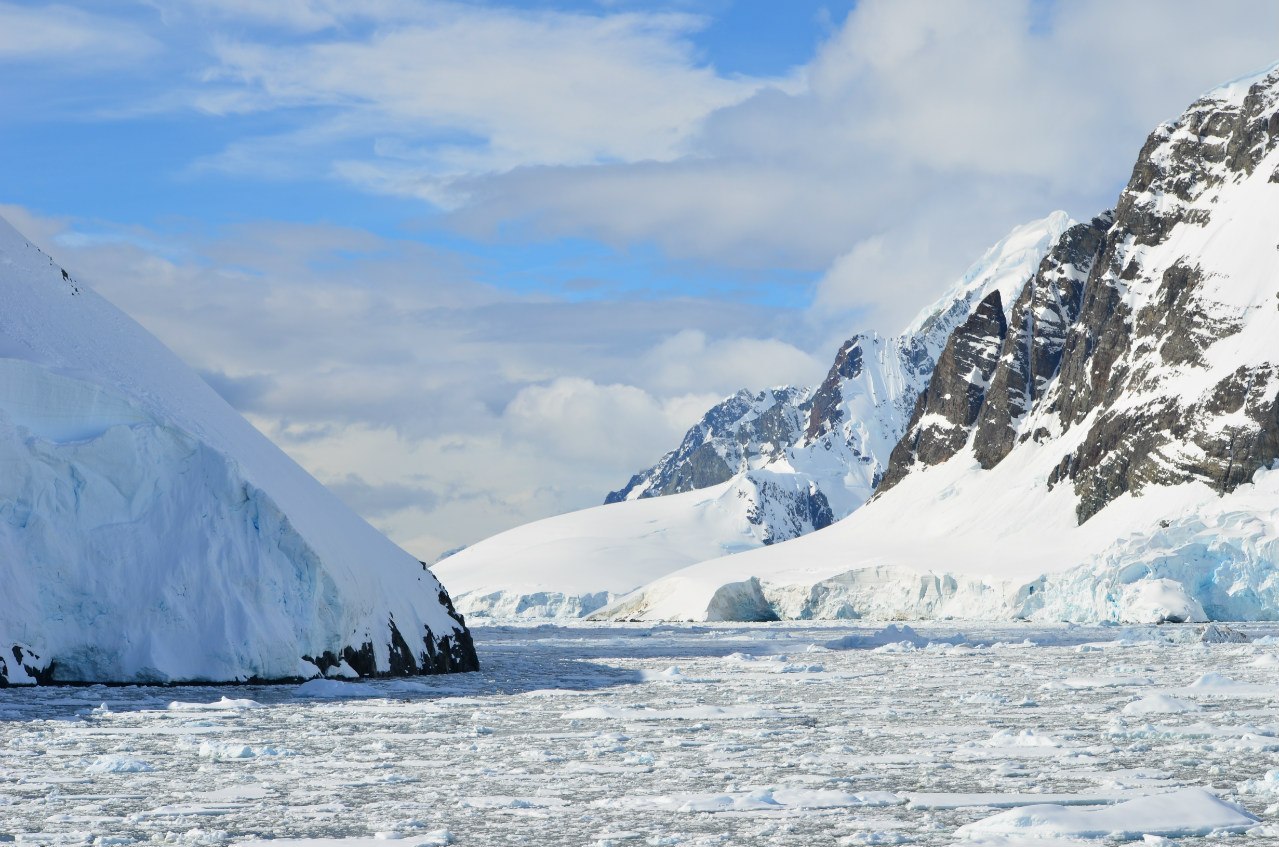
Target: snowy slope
(779, 464)
(148, 532)
(1106, 453)
(570, 565)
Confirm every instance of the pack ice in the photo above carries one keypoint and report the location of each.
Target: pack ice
(149, 533)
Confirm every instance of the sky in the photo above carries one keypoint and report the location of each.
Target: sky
(474, 264)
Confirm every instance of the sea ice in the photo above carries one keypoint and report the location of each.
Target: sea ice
(576, 736)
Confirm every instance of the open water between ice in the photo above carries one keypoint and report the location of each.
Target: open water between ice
(770, 734)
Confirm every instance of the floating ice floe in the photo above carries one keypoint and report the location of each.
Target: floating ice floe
(225, 703)
(1185, 813)
(766, 800)
(1159, 704)
(118, 764)
(688, 713)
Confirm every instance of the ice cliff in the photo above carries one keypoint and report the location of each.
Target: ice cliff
(148, 533)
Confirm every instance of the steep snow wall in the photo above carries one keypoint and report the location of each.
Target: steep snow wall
(149, 533)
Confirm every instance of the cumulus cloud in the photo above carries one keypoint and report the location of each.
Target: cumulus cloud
(379, 501)
(921, 129)
(578, 420)
(689, 359)
(921, 126)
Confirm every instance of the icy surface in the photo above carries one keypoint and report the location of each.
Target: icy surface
(771, 734)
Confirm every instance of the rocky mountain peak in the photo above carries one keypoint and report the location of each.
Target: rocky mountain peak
(742, 431)
(1147, 326)
(824, 408)
(947, 409)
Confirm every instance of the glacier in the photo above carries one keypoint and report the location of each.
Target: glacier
(148, 533)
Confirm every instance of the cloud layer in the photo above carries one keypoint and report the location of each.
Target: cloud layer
(447, 398)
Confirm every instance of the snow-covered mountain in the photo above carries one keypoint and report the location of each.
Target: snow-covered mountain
(758, 469)
(149, 533)
(840, 434)
(1101, 444)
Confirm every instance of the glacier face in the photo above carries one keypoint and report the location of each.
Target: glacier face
(149, 533)
(1105, 452)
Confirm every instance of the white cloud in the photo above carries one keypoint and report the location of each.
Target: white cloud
(689, 360)
(926, 127)
(69, 39)
(578, 420)
(456, 89)
(933, 125)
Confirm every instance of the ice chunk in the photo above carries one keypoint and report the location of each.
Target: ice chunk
(1160, 601)
(1159, 704)
(225, 703)
(118, 764)
(1217, 633)
(767, 799)
(1184, 813)
(687, 713)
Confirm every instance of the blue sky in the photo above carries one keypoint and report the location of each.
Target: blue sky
(142, 166)
(476, 263)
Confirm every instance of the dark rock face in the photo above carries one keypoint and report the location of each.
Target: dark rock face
(451, 653)
(823, 409)
(24, 663)
(1104, 332)
(743, 429)
(1031, 356)
(1113, 353)
(786, 513)
(946, 411)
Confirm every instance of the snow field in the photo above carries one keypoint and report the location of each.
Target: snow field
(794, 734)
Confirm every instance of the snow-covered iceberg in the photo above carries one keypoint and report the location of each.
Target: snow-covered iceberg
(149, 533)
